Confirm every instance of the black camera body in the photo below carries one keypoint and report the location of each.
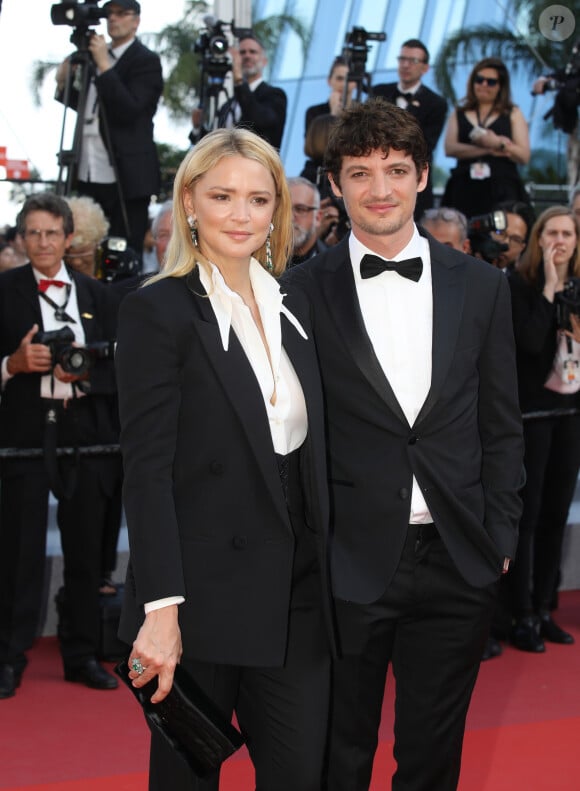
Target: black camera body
(81, 16)
(213, 45)
(567, 302)
(116, 260)
(72, 359)
(478, 231)
(355, 51)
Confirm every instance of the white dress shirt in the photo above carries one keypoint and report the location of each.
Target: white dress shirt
(398, 317)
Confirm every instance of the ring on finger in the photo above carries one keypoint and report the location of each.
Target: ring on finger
(137, 666)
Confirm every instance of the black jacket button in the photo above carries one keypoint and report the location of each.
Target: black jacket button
(404, 493)
(217, 467)
(240, 542)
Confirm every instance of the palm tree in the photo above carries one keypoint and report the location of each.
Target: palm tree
(529, 53)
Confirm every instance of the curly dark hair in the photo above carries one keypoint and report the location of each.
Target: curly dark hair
(375, 125)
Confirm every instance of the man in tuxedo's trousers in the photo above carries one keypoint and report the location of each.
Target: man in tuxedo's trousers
(425, 456)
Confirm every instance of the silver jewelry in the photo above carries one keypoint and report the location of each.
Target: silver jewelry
(193, 230)
(269, 265)
(137, 667)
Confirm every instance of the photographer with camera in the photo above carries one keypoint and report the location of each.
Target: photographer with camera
(118, 164)
(51, 399)
(545, 292)
(255, 105)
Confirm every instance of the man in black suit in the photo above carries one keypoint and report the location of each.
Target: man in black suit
(46, 404)
(425, 456)
(425, 105)
(119, 166)
(255, 105)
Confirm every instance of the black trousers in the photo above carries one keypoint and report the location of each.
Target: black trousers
(431, 626)
(552, 462)
(107, 196)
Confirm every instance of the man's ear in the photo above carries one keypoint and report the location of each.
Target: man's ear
(334, 186)
(422, 183)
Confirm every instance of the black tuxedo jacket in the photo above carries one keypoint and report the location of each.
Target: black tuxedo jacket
(205, 510)
(314, 112)
(263, 111)
(428, 107)
(465, 448)
(128, 95)
(22, 410)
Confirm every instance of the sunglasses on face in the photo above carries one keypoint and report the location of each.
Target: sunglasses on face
(491, 81)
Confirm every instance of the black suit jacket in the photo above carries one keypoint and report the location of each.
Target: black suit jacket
(314, 112)
(428, 107)
(22, 410)
(206, 515)
(263, 111)
(128, 95)
(465, 448)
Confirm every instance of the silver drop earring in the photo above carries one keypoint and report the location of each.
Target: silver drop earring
(269, 265)
(193, 230)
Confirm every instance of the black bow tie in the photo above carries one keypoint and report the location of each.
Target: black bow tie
(408, 97)
(372, 265)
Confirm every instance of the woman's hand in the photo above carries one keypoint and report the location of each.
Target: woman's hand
(550, 273)
(575, 333)
(158, 649)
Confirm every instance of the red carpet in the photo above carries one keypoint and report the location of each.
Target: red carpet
(523, 729)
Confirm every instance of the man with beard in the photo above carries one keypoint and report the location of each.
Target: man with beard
(255, 105)
(305, 220)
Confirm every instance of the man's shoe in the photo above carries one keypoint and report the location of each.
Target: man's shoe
(525, 635)
(9, 681)
(492, 648)
(91, 674)
(550, 631)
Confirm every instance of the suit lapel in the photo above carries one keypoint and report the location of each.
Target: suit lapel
(343, 305)
(448, 282)
(241, 386)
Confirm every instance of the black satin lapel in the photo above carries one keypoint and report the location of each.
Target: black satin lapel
(27, 287)
(239, 382)
(448, 297)
(344, 306)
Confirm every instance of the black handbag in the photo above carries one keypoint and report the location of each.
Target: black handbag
(188, 720)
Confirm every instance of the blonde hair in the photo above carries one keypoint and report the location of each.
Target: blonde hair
(531, 263)
(182, 256)
(90, 224)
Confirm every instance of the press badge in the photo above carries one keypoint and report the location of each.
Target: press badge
(571, 371)
(479, 171)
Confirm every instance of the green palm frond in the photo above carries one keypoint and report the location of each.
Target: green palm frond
(40, 70)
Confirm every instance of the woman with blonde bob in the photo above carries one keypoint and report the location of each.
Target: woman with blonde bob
(547, 333)
(225, 480)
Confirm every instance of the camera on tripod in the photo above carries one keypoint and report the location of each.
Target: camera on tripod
(213, 45)
(478, 231)
(80, 16)
(356, 49)
(72, 359)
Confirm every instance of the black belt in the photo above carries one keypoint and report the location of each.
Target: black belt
(423, 534)
(289, 469)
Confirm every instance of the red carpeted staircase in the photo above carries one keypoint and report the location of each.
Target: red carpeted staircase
(523, 730)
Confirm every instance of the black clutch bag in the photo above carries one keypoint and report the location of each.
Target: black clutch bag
(188, 720)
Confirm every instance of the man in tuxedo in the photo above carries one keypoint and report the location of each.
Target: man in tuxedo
(424, 441)
(48, 404)
(425, 105)
(119, 166)
(255, 105)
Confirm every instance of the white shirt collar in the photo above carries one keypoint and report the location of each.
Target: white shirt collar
(121, 49)
(266, 292)
(62, 274)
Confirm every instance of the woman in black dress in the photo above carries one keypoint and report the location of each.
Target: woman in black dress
(488, 135)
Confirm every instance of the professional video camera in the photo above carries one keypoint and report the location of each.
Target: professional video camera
(567, 302)
(564, 112)
(478, 231)
(115, 260)
(80, 16)
(354, 52)
(73, 359)
(213, 45)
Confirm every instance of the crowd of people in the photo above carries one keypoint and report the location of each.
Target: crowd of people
(308, 503)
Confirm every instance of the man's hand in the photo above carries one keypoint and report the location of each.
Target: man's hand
(30, 357)
(99, 51)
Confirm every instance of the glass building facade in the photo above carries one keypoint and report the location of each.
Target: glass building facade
(303, 74)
